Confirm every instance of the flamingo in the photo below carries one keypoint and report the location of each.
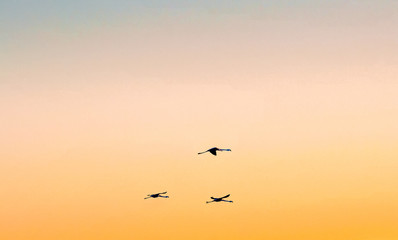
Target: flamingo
(219, 199)
(156, 195)
(214, 150)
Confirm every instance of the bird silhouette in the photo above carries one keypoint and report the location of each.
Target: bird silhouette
(156, 195)
(221, 199)
(214, 151)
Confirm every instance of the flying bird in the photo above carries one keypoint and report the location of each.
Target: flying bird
(219, 199)
(214, 150)
(156, 195)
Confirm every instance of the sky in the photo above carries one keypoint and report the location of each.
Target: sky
(104, 102)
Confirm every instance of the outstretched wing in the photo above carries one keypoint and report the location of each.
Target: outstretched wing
(213, 198)
(213, 151)
(162, 193)
(226, 196)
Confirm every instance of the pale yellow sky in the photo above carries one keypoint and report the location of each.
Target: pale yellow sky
(103, 104)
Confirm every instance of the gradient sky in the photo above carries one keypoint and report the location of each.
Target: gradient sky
(103, 102)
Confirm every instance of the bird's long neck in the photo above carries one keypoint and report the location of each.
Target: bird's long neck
(203, 152)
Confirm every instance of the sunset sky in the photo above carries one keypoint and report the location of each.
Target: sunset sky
(103, 102)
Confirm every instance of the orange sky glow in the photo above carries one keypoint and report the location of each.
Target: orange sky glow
(101, 105)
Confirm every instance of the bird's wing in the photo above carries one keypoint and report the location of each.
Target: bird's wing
(213, 198)
(162, 193)
(213, 151)
(226, 196)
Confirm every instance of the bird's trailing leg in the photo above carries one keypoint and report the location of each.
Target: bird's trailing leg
(164, 196)
(227, 201)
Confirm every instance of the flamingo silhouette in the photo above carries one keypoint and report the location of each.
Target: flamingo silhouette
(214, 150)
(156, 195)
(219, 199)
